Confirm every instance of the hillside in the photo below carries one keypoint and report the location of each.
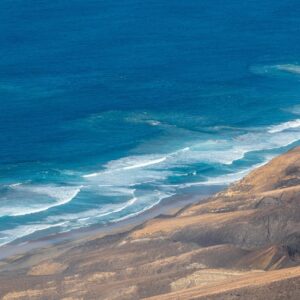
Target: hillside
(243, 243)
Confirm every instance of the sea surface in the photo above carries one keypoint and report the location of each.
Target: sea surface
(109, 107)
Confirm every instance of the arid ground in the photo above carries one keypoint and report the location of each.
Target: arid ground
(243, 243)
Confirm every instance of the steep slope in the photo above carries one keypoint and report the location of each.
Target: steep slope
(243, 242)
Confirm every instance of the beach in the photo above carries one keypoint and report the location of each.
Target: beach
(148, 149)
(108, 113)
(167, 207)
(241, 242)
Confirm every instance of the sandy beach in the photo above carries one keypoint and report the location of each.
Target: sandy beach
(149, 150)
(241, 243)
(167, 207)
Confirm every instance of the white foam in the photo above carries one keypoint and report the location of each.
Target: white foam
(162, 196)
(31, 199)
(136, 205)
(226, 179)
(284, 126)
(129, 163)
(133, 170)
(275, 69)
(153, 122)
(218, 151)
(135, 162)
(91, 175)
(127, 204)
(145, 163)
(119, 177)
(111, 190)
(92, 215)
(137, 213)
(15, 184)
(101, 211)
(146, 168)
(294, 109)
(24, 230)
(291, 68)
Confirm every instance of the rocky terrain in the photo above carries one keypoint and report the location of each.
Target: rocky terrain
(243, 243)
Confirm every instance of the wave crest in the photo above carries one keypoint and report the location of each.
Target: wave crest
(284, 126)
(31, 199)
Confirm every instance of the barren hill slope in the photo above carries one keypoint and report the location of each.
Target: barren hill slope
(243, 243)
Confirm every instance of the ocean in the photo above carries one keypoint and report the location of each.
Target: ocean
(109, 107)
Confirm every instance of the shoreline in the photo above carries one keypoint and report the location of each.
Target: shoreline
(168, 207)
(188, 247)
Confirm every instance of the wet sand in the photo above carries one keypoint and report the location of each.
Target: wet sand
(167, 207)
(240, 243)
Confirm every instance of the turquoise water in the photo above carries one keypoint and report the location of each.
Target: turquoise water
(109, 107)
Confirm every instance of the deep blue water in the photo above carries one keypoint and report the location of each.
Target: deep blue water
(108, 107)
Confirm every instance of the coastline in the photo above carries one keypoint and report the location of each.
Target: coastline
(149, 150)
(168, 207)
(242, 242)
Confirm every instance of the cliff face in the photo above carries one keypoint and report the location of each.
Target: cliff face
(243, 243)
